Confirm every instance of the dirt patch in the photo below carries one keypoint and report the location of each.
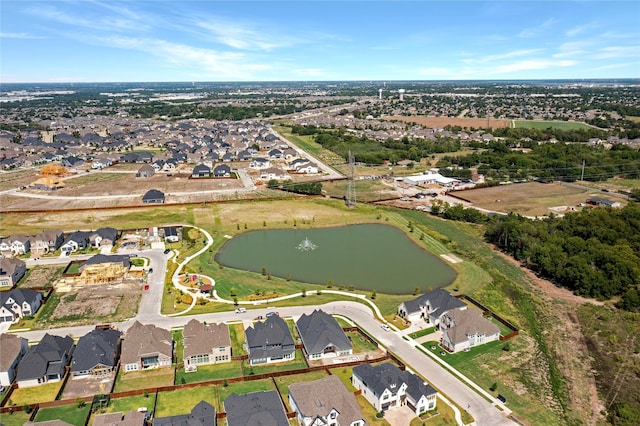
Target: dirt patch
(41, 276)
(98, 304)
(529, 199)
(439, 122)
(88, 386)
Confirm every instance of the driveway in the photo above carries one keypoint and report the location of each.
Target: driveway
(399, 416)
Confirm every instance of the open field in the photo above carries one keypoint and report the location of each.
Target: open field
(436, 122)
(541, 124)
(527, 199)
(73, 414)
(17, 178)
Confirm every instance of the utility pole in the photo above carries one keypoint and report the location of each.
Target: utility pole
(351, 188)
(582, 174)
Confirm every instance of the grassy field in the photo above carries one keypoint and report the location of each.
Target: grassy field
(144, 379)
(244, 387)
(309, 145)
(167, 406)
(124, 405)
(528, 199)
(221, 371)
(33, 395)
(17, 418)
(73, 414)
(541, 124)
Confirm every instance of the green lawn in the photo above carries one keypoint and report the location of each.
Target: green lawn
(370, 412)
(443, 415)
(144, 379)
(236, 332)
(345, 375)
(182, 401)
(220, 371)
(17, 418)
(32, 395)
(124, 405)
(69, 413)
(360, 343)
(421, 333)
(178, 345)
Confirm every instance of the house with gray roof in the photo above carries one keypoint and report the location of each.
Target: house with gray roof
(270, 341)
(103, 237)
(96, 353)
(464, 329)
(262, 408)
(45, 362)
(11, 271)
(222, 171)
(325, 402)
(18, 303)
(203, 414)
(75, 241)
(205, 344)
(146, 347)
(201, 171)
(386, 386)
(46, 241)
(430, 306)
(153, 196)
(12, 349)
(322, 336)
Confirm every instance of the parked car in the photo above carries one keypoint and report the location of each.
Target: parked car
(385, 327)
(241, 310)
(269, 314)
(167, 251)
(151, 270)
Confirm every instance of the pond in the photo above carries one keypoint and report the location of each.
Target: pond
(367, 256)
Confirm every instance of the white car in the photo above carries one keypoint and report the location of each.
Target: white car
(385, 327)
(241, 310)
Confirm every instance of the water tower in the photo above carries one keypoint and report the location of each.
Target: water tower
(401, 92)
(380, 94)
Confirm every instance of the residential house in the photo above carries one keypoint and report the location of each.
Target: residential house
(18, 303)
(171, 234)
(12, 349)
(386, 387)
(325, 402)
(205, 344)
(308, 168)
(146, 347)
(255, 409)
(96, 353)
(47, 241)
(201, 171)
(599, 201)
(228, 156)
(322, 336)
(11, 271)
(270, 341)
(132, 418)
(464, 329)
(289, 153)
(72, 161)
(244, 155)
(103, 269)
(430, 306)
(222, 171)
(5, 246)
(75, 241)
(273, 173)
(153, 196)
(297, 163)
(20, 244)
(45, 362)
(103, 237)
(259, 163)
(48, 183)
(146, 171)
(275, 154)
(203, 414)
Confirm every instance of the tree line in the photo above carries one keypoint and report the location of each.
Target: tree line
(594, 252)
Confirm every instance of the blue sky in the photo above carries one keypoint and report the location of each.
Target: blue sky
(104, 41)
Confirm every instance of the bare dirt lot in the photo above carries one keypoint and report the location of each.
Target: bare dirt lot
(40, 276)
(88, 386)
(528, 199)
(434, 122)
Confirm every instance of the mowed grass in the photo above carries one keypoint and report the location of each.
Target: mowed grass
(182, 401)
(17, 418)
(244, 387)
(144, 379)
(295, 364)
(124, 405)
(527, 199)
(205, 373)
(560, 125)
(68, 413)
(443, 415)
(35, 394)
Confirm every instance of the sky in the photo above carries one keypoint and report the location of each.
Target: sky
(139, 41)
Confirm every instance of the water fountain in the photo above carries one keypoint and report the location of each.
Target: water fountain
(306, 245)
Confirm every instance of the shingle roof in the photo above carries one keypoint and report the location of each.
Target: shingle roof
(201, 339)
(153, 194)
(273, 331)
(255, 409)
(387, 376)
(146, 339)
(98, 347)
(107, 258)
(440, 301)
(320, 330)
(36, 362)
(469, 321)
(203, 414)
(10, 348)
(319, 397)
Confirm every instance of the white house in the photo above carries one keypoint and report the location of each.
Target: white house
(464, 329)
(429, 307)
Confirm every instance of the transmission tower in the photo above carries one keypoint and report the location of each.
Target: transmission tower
(351, 188)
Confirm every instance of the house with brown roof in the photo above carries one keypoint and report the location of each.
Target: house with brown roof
(325, 402)
(132, 418)
(145, 171)
(205, 344)
(11, 271)
(145, 347)
(46, 241)
(464, 329)
(12, 349)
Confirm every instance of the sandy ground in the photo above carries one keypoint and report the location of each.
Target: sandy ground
(438, 122)
(88, 386)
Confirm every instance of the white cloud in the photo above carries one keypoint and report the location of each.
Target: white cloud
(24, 36)
(612, 52)
(535, 31)
(580, 29)
(243, 37)
(508, 55)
